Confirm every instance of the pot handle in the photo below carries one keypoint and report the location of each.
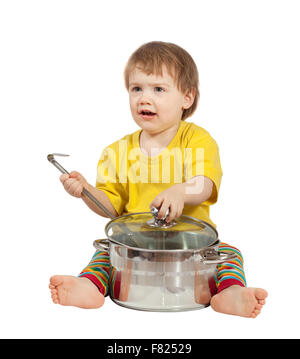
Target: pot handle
(101, 244)
(211, 256)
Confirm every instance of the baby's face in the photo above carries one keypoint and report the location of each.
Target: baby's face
(158, 95)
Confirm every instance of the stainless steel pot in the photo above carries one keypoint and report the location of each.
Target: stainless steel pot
(162, 269)
(159, 266)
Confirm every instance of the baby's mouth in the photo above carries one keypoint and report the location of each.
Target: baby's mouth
(147, 114)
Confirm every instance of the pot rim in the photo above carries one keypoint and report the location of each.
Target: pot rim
(216, 242)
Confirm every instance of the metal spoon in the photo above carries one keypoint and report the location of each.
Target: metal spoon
(123, 228)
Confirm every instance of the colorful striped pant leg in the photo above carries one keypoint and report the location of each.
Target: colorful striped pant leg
(102, 274)
(231, 272)
(98, 271)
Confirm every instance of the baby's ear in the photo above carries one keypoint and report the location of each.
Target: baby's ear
(189, 98)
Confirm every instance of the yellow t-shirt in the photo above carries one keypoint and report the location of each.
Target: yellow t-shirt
(131, 180)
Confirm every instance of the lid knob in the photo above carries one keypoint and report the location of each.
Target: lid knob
(160, 222)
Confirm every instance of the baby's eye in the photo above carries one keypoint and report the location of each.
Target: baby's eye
(135, 89)
(159, 89)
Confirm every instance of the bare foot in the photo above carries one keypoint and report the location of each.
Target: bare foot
(237, 300)
(75, 291)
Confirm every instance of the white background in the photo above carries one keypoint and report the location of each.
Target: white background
(62, 90)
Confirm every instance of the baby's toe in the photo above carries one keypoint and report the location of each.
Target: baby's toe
(260, 294)
(256, 311)
(54, 298)
(56, 280)
(53, 291)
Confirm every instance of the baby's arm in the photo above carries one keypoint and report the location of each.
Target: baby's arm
(74, 184)
(192, 192)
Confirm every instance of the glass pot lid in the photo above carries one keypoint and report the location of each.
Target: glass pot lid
(136, 230)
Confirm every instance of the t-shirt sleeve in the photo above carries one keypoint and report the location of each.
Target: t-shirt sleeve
(203, 160)
(108, 179)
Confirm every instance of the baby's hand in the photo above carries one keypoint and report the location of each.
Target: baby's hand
(73, 183)
(172, 198)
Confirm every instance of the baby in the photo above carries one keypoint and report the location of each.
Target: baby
(162, 82)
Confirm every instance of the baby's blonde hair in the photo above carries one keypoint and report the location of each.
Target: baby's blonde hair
(151, 57)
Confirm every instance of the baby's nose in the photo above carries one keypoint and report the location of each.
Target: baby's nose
(145, 98)
(145, 102)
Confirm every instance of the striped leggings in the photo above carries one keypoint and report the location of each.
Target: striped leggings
(105, 277)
